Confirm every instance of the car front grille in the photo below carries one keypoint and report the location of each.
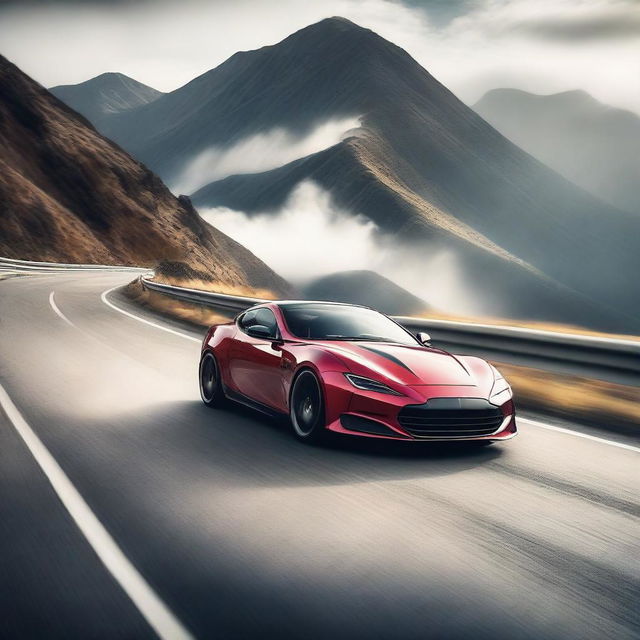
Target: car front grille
(451, 417)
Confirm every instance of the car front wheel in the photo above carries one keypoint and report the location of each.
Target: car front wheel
(210, 384)
(306, 408)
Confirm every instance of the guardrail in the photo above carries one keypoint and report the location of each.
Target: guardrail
(612, 359)
(10, 264)
(208, 298)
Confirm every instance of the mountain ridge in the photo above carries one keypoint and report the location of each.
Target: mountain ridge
(453, 165)
(106, 94)
(254, 105)
(427, 169)
(67, 194)
(590, 143)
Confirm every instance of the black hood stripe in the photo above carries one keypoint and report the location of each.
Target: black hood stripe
(388, 356)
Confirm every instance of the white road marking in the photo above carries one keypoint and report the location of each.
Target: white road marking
(105, 344)
(104, 299)
(153, 609)
(59, 313)
(579, 434)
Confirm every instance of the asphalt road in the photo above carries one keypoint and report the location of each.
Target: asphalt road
(226, 527)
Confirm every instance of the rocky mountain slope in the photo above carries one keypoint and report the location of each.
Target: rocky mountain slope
(68, 194)
(590, 143)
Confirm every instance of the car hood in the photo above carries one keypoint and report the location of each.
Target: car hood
(413, 366)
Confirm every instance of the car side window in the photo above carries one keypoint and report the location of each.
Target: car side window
(266, 318)
(247, 319)
(263, 316)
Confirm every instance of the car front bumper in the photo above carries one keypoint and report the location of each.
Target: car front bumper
(351, 411)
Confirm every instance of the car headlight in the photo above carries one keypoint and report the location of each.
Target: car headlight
(367, 384)
(501, 391)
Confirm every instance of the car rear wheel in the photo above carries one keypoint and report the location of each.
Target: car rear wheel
(210, 384)
(306, 408)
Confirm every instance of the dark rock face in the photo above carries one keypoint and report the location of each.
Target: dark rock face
(366, 288)
(68, 194)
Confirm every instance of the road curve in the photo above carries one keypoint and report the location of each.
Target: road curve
(239, 531)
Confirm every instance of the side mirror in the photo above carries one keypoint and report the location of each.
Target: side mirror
(259, 331)
(424, 337)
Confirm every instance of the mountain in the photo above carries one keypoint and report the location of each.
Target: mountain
(366, 288)
(106, 94)
(68, 194)
(426, 169)
(590, 143)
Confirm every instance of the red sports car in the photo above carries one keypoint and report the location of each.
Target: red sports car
(351, 370)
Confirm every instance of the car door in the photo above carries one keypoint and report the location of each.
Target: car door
(254, 363)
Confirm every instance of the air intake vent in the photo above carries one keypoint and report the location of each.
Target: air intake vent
(451, 417)
(364, 425)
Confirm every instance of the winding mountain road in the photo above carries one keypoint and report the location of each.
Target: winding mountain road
(130, 510)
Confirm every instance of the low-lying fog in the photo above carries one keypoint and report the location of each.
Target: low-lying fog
(260, 152)
(310, 237)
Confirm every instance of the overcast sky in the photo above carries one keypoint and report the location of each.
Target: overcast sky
(471, 46)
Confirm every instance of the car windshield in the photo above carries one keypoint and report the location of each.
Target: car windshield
(342, 322)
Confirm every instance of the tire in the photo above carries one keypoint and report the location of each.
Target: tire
(209, 381)
(306, 408)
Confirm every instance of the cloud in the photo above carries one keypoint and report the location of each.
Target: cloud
(307, 238)
(620, 25)
(441, 12)
(260, 152)
(310, 237)
(544, 46)
(541, 46)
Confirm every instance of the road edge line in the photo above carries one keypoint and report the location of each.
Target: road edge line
(56, 309)
(144, 598)
(104, 299)
(579, 434)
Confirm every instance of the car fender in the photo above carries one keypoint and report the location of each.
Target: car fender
(217, 341)
(316, 359)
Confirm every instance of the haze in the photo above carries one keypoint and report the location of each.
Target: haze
(543, 46)
(310, 237)
(261, 152)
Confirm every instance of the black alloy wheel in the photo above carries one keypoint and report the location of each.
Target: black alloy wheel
(306, 408)
(210, 384)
